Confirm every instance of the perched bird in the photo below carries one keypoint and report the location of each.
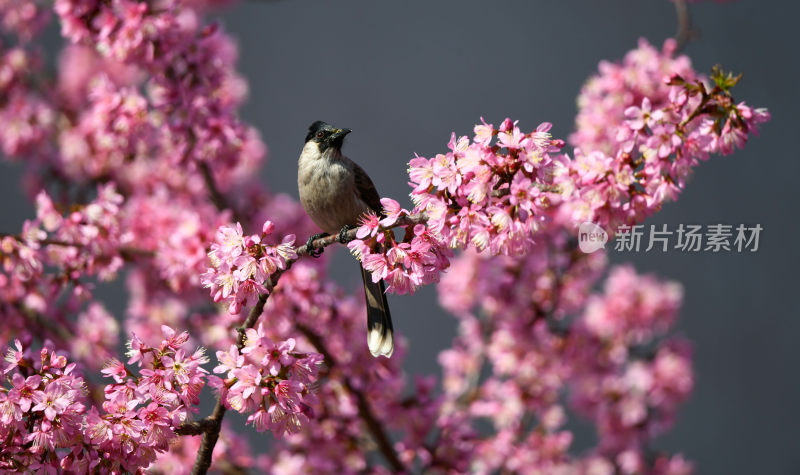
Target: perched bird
(336, 192)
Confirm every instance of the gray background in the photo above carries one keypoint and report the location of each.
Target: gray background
(403, 75)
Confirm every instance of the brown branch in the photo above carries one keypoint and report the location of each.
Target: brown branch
(351, 235)
(210, 436)
(211, 425)
(196, 427)
(364, 409)
(216, 196)
(695, 113)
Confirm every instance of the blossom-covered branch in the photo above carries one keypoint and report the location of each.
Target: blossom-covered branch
(138, 163)
(498, 196)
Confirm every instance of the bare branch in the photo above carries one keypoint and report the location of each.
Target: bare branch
(210, 436)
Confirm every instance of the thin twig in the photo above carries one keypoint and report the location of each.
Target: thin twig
(685, 32)
(127, 252)
(216, 196)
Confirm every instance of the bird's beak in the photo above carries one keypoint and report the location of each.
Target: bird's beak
(340, 133)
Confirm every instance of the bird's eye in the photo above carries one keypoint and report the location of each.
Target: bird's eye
(320, 134)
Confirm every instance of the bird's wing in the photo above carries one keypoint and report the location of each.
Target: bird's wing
(366, 190)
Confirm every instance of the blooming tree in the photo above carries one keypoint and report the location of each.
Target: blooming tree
(138, 161)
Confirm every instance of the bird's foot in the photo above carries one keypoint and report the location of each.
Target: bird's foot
(342, 236)
(310, 245)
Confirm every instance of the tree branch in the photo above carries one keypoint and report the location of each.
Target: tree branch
(364, 409)
(47, 324)
(210, 436)
(127, 252)
(196, 427)
(216, 196)
(211, 426)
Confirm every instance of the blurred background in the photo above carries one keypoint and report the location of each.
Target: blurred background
(404, 75)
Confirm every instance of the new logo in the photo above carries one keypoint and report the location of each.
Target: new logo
(591, 237)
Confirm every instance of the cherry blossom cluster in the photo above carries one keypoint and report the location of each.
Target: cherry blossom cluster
(490, 192)
(242, 264)
(353, 386)
(269, 381)
(141, 88)
(638, 375)
(405, 264)
(24, 19)
(87, 240)
(115, 127)
(656, 127)
(92, 233)
(512, 316)
(99, 336)
(606, 95)
(44, 272)
(534, 325)
(141, 411)
(27, 114)
(182, 232)
(46, 423)
(498, 196)
(192, 89)
(42, 409)
(26, 117)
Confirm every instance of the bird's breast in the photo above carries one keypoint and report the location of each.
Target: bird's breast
(327, 193)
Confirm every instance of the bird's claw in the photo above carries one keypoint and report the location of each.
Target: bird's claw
(310, 245)
(342, 236)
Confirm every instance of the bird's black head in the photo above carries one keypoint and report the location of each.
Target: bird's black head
(326, 135)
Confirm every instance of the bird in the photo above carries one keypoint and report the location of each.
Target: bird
(335, 193)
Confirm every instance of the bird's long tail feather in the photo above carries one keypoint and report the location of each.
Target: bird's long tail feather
(380, 338)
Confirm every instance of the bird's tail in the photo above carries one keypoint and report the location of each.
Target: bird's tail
(380, 337)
